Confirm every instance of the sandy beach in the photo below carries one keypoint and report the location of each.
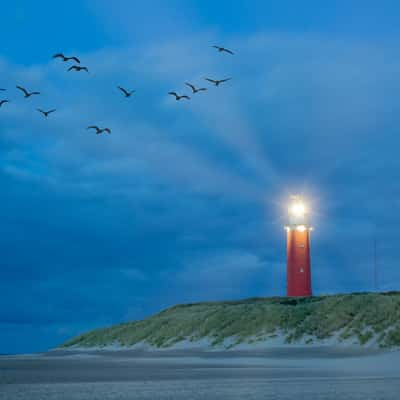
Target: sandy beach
(279, 373)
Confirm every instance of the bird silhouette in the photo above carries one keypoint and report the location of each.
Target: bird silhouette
(26, 93)
(64, 58)
(223, 49)
(216, 82)
(2, 90)
(3, 102)
(194, 89)
(99, 130)
(46, 113)
(78, 68)
(177, 97)
(126, 92)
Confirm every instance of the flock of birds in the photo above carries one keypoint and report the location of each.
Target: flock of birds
(127, 93)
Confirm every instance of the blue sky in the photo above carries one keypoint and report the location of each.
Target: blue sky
(185, 202)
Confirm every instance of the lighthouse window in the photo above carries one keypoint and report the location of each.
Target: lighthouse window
(301, 245)
(301, 269)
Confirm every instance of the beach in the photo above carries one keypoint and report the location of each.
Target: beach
(278, 373)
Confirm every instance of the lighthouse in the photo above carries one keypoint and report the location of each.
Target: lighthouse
(298, 278)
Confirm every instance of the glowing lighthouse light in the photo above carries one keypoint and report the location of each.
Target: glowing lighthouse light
(298, 250)
(298, 209)
(298, 213)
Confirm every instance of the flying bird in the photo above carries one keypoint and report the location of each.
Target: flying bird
(99, 130)
(64, 58)
(126, 92)
(26, 93)
(2, 90)
(3, 102)
(216, 82)
(194, 89)
(78, 68)
(223, 49)
(46, 113)
(177, 97)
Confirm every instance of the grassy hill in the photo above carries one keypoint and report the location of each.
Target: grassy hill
(362, 318)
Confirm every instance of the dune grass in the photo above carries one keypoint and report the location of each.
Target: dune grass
(362, 316)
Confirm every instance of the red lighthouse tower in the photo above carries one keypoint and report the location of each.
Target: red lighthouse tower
(298, 250)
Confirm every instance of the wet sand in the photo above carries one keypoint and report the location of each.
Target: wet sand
(281, 373)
